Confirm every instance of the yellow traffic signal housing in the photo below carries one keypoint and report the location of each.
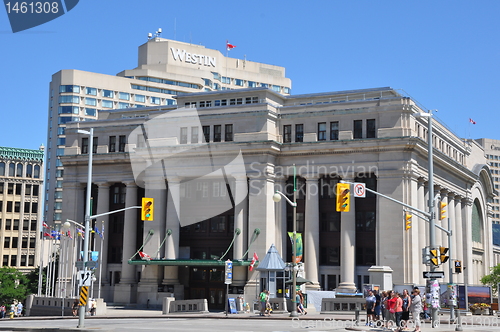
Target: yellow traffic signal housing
(147, 209)
(343, 197)
(442, 254)
(407, 221)
(434, 257)
(442, 211)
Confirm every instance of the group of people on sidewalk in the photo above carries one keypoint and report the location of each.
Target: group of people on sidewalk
(15, 309)
(266, 308)
(392, 309)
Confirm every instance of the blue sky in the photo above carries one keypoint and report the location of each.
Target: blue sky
(445, 54)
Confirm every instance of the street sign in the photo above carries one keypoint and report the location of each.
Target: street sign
(228, 272)
(359, 190)
(90, 264)
(84, 278)
(435, 274)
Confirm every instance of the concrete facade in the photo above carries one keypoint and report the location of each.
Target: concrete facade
(371, 136)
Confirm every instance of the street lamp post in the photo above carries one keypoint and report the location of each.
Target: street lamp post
(277, 198)
(81, 313)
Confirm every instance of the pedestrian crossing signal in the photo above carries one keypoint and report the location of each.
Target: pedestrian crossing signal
(147, 209)
(458, 266)
(343, 197)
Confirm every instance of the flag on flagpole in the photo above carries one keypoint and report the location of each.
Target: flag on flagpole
(69, 235)
(45, 225)
(47, 234)
(102, 231)
(254, 259)
(472, 121)
(229, 46)
(144, 256)
(97, 231)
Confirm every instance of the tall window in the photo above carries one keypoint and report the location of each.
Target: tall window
(299, 133)
(217, 133)
(112, 143)
(19, 170)
(184, 135)
(29, 171)
(122, 141)
(358, 129)
(287, 134)
(228, 133)
(322, 131)
(334, 131)
(194, 135)
(206, 133)
(36, 173)
(95, 143)
(2, 169)
(12, 169)
(370, 128)
(85, 145)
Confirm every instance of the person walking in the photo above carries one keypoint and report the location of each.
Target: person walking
(300, 303)
(398, 311)
(262, 300)
(391, 308)
(416, 308)
(370, 307)
(74, 308)
(378, 305)
(405, 317)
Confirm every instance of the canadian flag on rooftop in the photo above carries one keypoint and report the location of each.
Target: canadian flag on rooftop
(472, 121)
(229, 46)
(254, 259)
(144, 256)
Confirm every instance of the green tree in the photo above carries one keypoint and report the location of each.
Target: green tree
(13, 285)
(32, 284)
(492, 279)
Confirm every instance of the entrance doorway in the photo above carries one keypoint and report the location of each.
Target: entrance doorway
(208, 283)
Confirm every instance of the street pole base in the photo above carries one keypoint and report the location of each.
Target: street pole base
(294, 314)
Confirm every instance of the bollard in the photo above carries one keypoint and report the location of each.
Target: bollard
(459, 322)
(356, 316)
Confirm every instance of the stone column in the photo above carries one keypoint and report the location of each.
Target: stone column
(240, 210)
(281, 218)
(102, 244)
(171, 273)
(421, 226)
(413, 236)
(348, 249)
(458, 235)
(124, 291)
(467, 240)
(154, 232)
(311, 231)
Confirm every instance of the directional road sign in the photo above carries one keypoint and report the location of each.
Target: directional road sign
(435, 274)
(84, 278)
(228, 272)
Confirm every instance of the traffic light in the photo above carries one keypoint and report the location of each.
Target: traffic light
(147, 209)
(407, 221)
(343, 197)
(458, 266)
(442, 255)
(434, 257)
(442, 211)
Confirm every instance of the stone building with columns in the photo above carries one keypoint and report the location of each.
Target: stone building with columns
(213, 166)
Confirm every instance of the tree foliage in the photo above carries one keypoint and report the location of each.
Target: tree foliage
(492, 279)
(13, 285)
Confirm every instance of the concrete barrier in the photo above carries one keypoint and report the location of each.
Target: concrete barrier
(197, 305)
(341, 305)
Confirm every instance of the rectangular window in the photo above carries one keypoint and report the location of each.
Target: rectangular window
(140, 98)
(122, 142)
(334, 131)
(6, 243)
(206, 133)
(68, 110)
(26, 209)
(107, 104)
(155, 100)
(228, 133)
(8, 224)
(112, 144)
(90, 111)
(299, 133)
(33, 226)
(370, 128)
(238, 82)
(15, 225)
(90, 101)
(217, 133)
(10, 189)
(17, 207)
(322, 131)
(123, 105)
(358, 129)
(1, 188)
(9, 206)
(69, 88)
(108, 93)
(184, 135)
(123, 96)
(287, 134)
(35, 190)
(24, 243)
(95, 144)
(252, 84)
(194, 135)
(85, 145)
(69, 99)
(32, 242)
(91, 91)
(19, 188)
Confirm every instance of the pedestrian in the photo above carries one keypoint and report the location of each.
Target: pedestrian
(74, 308)
(398, 311)
(262, 300)
(370, 308)
(416, 308)
(2, 311)
(405, 317)
(300, 303)
(12, 311)
(383, 303)
(93, 307)
(391, 308)
(19, 309)
(378, 306)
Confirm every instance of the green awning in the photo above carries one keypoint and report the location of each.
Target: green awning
(187, 262)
